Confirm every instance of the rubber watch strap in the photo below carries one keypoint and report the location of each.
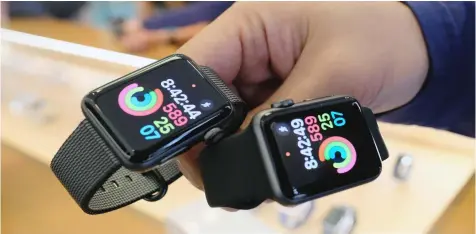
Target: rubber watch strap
(374, 129)
(233, 172)
(96, 180)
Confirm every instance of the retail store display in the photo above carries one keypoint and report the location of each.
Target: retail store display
(32, 107)
(198, 218)
(294, 153)
(295, 216)
(403, 167)
(392, 201)
(340, 220)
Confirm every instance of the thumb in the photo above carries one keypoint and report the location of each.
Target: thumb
(217, 46)
(308, 79)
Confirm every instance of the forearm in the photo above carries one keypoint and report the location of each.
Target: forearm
(446, 100)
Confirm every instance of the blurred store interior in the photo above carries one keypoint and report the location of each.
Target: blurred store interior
(37, 119)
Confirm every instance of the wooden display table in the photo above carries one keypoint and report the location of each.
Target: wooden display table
(80, 34)
(443, 161)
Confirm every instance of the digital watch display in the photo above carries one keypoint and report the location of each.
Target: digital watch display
(293, 153)
(316, 149)
(156, 106)
(155, 113)
(123, 151)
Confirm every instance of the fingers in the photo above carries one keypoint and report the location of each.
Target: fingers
(236, 46)
(218, 46)
(135, 42)
(229, 209)
(188, 165)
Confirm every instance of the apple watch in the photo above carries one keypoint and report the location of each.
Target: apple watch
(340, 220)
(403, 167)
(294, 153)
(123, 151)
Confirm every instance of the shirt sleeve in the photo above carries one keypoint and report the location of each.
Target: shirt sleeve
(190, 14)
(447, 98)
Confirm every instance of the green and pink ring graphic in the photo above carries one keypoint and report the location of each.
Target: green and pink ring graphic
(332, 145)
(131, 105)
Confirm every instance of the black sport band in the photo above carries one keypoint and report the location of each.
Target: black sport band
(233, 172)
(96, 180)
(374, 129)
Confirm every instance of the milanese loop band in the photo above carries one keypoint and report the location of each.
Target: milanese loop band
(96, 180)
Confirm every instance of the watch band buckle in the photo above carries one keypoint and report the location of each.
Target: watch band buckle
(160, 193)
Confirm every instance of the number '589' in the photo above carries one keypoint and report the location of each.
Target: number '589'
(163, 126)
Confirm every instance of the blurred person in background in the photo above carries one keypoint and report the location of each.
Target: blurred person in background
(60, 9)
(174, 25)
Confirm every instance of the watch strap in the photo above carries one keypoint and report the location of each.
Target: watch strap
(239, 106)
(374, 129)
(233, 172)
(211, 75)
(95, 178)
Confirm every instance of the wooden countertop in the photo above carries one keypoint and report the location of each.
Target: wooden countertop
(80, 34)
(52, 211)
(458, 217)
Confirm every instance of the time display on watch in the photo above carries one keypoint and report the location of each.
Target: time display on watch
(175, 117)
(323, 148)
(310, 130)
(154, 107)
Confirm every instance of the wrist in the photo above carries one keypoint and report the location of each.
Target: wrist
(408, 66)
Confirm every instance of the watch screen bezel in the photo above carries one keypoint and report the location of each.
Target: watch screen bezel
(280, 184)
(183, 139)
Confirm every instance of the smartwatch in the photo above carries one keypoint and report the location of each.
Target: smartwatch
(340, 220)
(403, 167)
(294, 153)
(123, 151)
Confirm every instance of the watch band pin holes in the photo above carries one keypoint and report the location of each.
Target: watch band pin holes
(115, 183)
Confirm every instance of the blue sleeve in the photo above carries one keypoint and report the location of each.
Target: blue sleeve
(447, 98)
(193, 13)
(26, 9)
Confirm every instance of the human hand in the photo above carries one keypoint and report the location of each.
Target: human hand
(136, 38)
(267, 51)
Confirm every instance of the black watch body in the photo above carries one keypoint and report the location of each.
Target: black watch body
(293, 153)
(317, 147)
(153, 114)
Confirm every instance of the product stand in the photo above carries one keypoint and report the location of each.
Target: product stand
(443, 162)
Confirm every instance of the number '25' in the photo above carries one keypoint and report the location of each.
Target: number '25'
(326, 122)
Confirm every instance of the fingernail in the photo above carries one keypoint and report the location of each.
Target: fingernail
(229, 209)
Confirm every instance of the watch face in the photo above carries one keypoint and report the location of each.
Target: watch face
(321, 148)
(158, 107)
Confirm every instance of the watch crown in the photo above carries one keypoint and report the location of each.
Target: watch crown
(283, 103)
(213, 136)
